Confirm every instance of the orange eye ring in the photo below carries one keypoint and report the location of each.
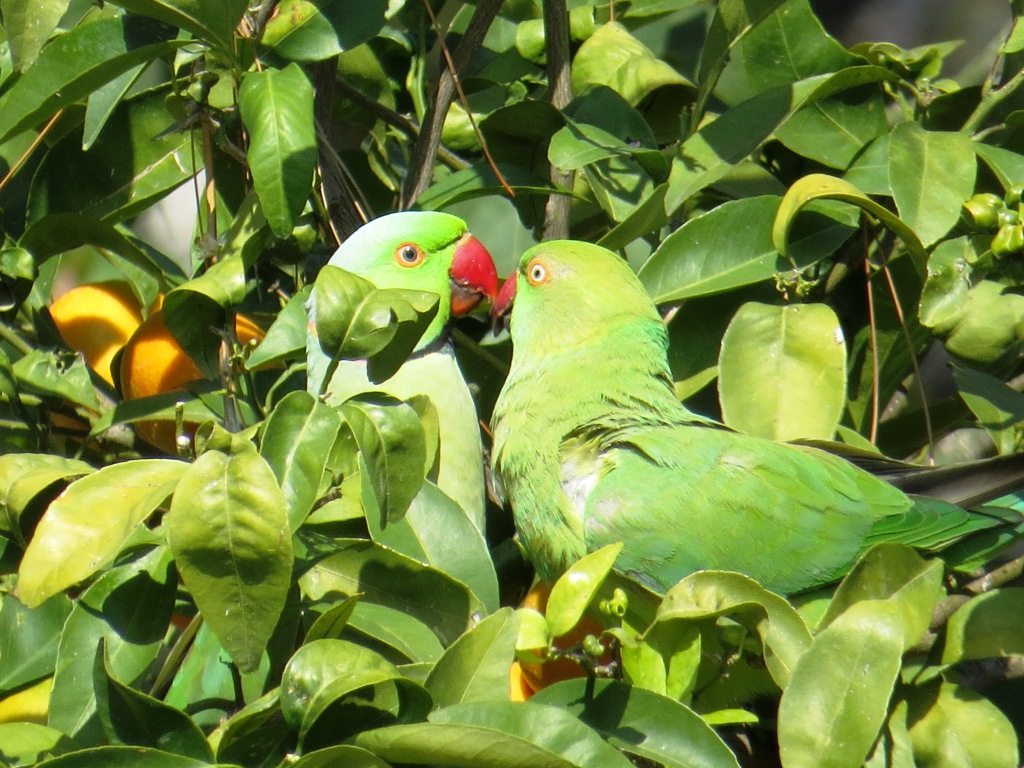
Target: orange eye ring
(537, 272)
(409, 255)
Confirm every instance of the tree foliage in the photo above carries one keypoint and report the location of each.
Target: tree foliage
(829, 230)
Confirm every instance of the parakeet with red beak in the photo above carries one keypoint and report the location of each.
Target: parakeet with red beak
(425, 251)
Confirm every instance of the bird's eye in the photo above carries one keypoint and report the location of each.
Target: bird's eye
(408, 255)
(536, 273)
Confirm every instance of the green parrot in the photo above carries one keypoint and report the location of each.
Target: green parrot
(591, 446)
(425, 251)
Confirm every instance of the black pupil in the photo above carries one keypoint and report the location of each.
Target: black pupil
(409, 254)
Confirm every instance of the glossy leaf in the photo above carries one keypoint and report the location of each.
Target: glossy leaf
(720, 593)
(574, 590)
(28, 24)
(641, 723)
(109, 610)
(31, 743)
(987, 626)
(897, 574)
(132, 717)
(475, 667)
(69, 545)
(56, 374)
(29, 639)
(437, 532)
(341, 754)
(228, 528)
(295, 438)
(256, 732)
(837, 699)
(391, 447)
(405, 638)
(932, 174)
(213, 22)
(286, 336)
(356, 566)
(72, 66)
(499, 734)
(123, 757)
(23, 476)
(997, 406)
(782, 371)
(277, 109)
(954, 727)
(302, 30)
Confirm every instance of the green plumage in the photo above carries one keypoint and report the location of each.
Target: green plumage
(592, 447)
(432, 370)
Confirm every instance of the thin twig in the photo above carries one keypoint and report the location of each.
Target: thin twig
(875, 370)
(991, 97)
(998, 577)
(31, 148)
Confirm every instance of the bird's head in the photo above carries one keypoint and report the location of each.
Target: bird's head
(424, 251)
(563, 291)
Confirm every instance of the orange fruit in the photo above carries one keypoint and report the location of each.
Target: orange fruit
(539, 675)
(96, 320)
(520, 690)
(154, 362)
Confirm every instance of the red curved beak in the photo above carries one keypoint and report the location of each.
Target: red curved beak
(503, 304)
(473, 275)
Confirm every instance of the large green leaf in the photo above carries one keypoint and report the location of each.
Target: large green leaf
(28, 23)
(475, 667)
(782, 371)
(954, 727)
(123, 757)
(31, 743)
(277, 109)
(932, 174)
(23, 476)
(575, 589)
(228, 528)
(642, 723)
(74, 64)
(837, 699)
(357, 566)
(85, 527)
(499, 734)
(987, 626)
(721, 593)
(110, 610)
(210, 22)
(131, 717)
(313, 30)
(29, 639)
(392, 450)
(294, 442)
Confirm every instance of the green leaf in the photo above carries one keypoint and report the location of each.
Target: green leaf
(86, 526)
(998, 407)
(277, 109)
(947, 285)
(132, 717)
(28, 24)
(720, 593)
(341, 754)
(322, 672)
(641, 723)
(294, 437)
(819, 186)
(728, 247)
(497, 734)
(228, 528)
(314, 30)
(932, 174)
(575, 589)
(72, 66)
(109, 610)
(122, 757)
(357, 566)
(56, 374)
(475, 667)
(392, 450)
(782, 371)
(211, 22)
(897, 574)
(405, 638)
(286, 336)
(438, 532)
(987, 626)
(256, 731)
(954, 727)
(31, 743)
(23, 476)
(837, 699)
(29, 639)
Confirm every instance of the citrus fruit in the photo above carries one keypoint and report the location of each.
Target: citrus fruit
(520, 690)
(154, 363)
(96, 320)
(539, 675)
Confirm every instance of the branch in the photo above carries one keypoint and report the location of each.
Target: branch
(556, 47)
(427, 143)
